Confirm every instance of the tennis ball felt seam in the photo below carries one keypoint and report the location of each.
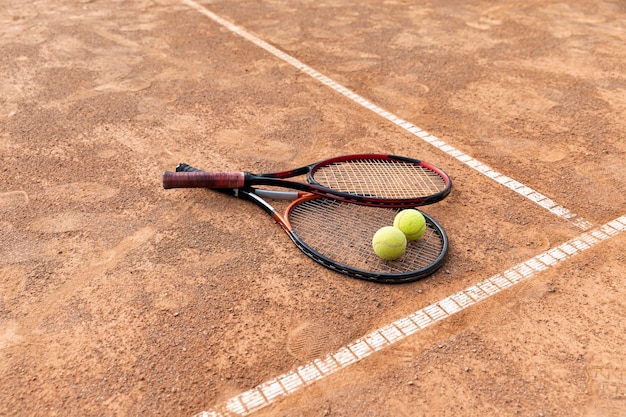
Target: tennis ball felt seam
(411, 222)
(418, 234)
(389, 243)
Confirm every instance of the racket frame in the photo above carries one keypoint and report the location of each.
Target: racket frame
(243, 180)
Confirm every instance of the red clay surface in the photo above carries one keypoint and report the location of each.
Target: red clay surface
(119, 298)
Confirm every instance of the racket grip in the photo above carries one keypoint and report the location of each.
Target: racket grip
(203, 179)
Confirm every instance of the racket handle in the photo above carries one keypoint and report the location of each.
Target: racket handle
(203, 179)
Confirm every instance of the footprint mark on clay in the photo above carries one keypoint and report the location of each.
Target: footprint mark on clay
(8, 333)
(484, 23)
(132, 85)
(308, 341)
(82, 191)
(79, 192)
(14, 199)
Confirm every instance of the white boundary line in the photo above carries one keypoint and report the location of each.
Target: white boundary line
(523, 190)
(283, 385)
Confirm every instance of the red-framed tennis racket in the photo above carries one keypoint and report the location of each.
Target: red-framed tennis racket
(338, 234)
(368, 179)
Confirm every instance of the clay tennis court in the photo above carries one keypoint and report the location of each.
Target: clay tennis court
(120, 298)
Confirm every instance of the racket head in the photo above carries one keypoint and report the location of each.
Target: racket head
(380, 180)
(338, 235)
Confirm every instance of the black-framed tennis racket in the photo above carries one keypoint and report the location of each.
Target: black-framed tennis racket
(338, 234)
(368, 179)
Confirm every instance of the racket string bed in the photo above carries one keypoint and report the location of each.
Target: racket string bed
(343, 232)
(390, 179)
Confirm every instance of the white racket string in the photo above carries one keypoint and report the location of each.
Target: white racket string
(380, 178)
(343, 233)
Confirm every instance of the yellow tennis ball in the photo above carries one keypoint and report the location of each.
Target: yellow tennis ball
(411, 222)
(389, 243)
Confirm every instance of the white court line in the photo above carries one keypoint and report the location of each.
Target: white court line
(283, 385)
(525, 191)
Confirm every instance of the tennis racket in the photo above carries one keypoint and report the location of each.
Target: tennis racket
(338, 234)
(369, 179)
